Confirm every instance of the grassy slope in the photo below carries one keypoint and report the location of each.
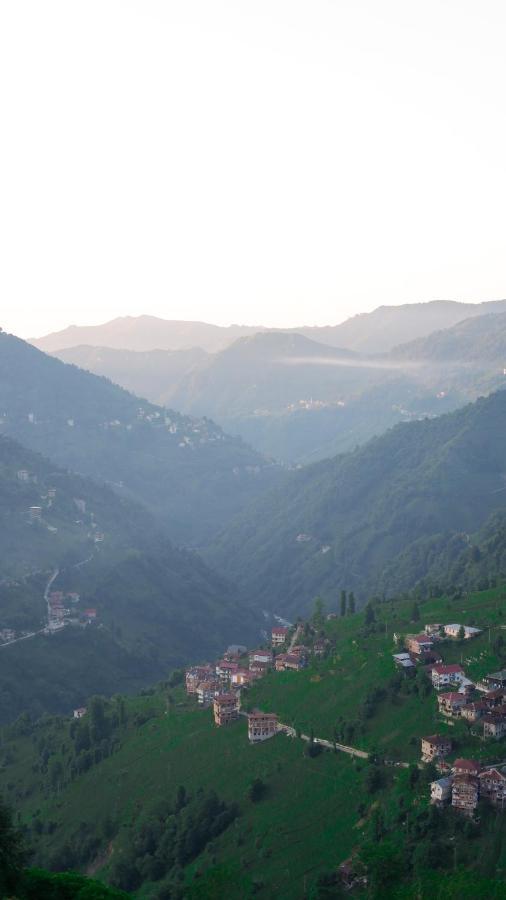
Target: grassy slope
(310, 818)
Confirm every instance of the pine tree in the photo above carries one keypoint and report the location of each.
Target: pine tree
(343, 603)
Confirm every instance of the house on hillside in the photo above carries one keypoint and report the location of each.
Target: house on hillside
(290, 662)
(225, 708)
(419, 643)
(195, 674)
(465, 793)
(435, 746)
(225, 669)
(474, 711)
(493, 699)
(433, 629)
(466, 767)
(80, 712)
(450, 703)
(263, 656)
(207, 690)
(35, 513)
(403, 660)
(494, 727)
(496, 681)
(443, 675)
(279, 635)
(441, 790)
(261, 726)
(493, 786)
(453, 631)
(240, 678)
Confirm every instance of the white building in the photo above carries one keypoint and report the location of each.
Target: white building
(441, 790)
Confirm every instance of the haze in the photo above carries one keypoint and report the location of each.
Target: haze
(275, 162)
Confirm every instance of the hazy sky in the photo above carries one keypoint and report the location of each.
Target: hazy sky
(250, 160)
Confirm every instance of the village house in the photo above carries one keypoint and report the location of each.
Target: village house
(290, 662)
(225, 669)
(494, 727)
(493, 786)
(263, 656)
(90, 614)
(259, 668)
(403, 660)
(279, 635)
(465, 793)
(261, 726)
(474, 711)
(23, 475)
(300, 650)
(195, 675)
(493, 698)
(433, 629)
(466, 767)
(443, 675)
(496, 681)
(450, 703)
(206, 691)
(419, 643)
(453, 631)
(35, 513)
(240, 678)
(80, 712)
(226, 708)
(234, 652)
(319, 647)
(435, 746)
(441, 790)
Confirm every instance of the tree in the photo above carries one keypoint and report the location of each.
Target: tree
(343, 604)
(415, 612)
(256, 790)
(384, 865)
(461, 633)
(318, 612)
(351, 603)
(370, 615)
(12, 854)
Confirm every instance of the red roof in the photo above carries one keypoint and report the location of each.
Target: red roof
(467, 765)
(280, 630)
(447, 670)
(452, 695)
(437, 739)
(422, 639)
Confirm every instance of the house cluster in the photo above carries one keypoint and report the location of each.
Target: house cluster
(483, 703)
(63, 610)
(220, 684)
(466, 782)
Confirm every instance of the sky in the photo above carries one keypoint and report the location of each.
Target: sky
(271, 162)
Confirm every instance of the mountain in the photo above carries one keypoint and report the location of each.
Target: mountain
(187, 471)
(381, 330)
(145, 333)
(375, 332)
(298, 400)
(152, 374)
(343, 523)
(148, 794)
(157, 607)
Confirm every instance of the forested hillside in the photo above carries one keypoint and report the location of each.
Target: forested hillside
(156, 607)
(347, 521)
(152, 797)
(187, 471)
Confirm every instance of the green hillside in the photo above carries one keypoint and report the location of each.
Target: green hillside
(272, 819)
(186, 471)
(157, 607)
(346, 522)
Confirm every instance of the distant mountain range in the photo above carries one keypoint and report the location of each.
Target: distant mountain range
(186, 471)
(375, 332)
(299, 400)
(373, 520)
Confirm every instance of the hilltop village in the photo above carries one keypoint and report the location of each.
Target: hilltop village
(481, 704)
